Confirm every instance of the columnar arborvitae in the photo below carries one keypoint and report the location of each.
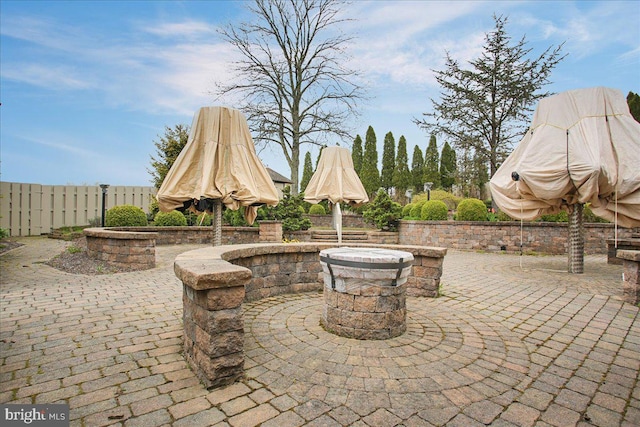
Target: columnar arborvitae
(369, 174)
(388, 161)
(307, 171)
(447, 167)
(402, 175)
(356, 154)
(417, 170)
(431, 164)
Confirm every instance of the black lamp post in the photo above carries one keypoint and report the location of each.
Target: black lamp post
(427, 188)
(104, 199)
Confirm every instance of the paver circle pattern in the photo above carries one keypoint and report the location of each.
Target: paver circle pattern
(443, 350)
(512, 341)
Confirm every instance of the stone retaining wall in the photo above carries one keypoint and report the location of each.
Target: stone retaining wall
(348, 221)
(135, 250)
(541, 237)
(197, 235)
(216, 280)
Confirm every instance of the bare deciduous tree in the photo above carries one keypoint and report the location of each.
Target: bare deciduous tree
(294, 85)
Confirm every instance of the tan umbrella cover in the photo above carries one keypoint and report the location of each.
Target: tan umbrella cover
(335, 179)
(219, 162)
(583, 146)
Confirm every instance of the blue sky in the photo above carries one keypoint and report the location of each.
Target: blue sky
(88, 86)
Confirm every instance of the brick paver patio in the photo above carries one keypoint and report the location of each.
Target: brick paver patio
(513, 341)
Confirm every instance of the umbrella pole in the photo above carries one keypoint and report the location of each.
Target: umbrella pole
(217, 223)
(337, 220)
(576, 240)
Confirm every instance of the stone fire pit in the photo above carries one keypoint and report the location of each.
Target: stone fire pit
(365, 292)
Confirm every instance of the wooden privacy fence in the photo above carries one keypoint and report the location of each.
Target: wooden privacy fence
(34, 209)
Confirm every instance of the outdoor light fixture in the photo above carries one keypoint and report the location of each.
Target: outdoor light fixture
(104, 187)
(408, 194)
(427, 188)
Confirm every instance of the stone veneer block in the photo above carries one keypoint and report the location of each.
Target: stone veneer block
(631, 282)
(213, 291)
(363, 301)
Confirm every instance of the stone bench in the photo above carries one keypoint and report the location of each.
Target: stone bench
(622, 244)
(217, 280)
(631, 275)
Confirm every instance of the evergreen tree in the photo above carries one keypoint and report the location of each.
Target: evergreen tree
(417, 170)
(481, 174)
(369, 174)
(431, 164)
(307, 171)
(486, 106)
(447, 167)
(356, 154)
(388, 161)
(402, 175)
(633, 100)
(167, 149)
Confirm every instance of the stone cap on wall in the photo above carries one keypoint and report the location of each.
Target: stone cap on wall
(210, 268)
(629, 255)
(113, 233)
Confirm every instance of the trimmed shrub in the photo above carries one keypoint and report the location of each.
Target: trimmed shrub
(434, 210)
(383, 212)
(170, 219)
(416, 210)
(472, 210)
(406, 210)
(561, 216)
(317, 210)
(233, 218)
(501, 216)
(448, 198)
(204, 219)
(125, 216)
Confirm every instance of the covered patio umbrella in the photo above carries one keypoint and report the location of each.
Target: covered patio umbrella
(583, 146)
(336, 180)
(218, 165)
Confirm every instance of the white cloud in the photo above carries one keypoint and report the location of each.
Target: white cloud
(54, 77)
(151, 73)
(188, 28)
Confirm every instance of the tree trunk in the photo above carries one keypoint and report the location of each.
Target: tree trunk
(576, 240)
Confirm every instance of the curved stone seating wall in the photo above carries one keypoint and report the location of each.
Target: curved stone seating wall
(135, 250)
(216, 280)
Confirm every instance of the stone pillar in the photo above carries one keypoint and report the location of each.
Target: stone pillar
(212, 320)
(425, 280)
(631, 276)
(270, 231)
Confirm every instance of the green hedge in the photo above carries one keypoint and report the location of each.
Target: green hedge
(170, 219)
(416, 210)
(472, 210)
(317, 210)
(434, 210)
(125, 216)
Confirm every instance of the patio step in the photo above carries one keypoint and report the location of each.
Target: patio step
(332, 236)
